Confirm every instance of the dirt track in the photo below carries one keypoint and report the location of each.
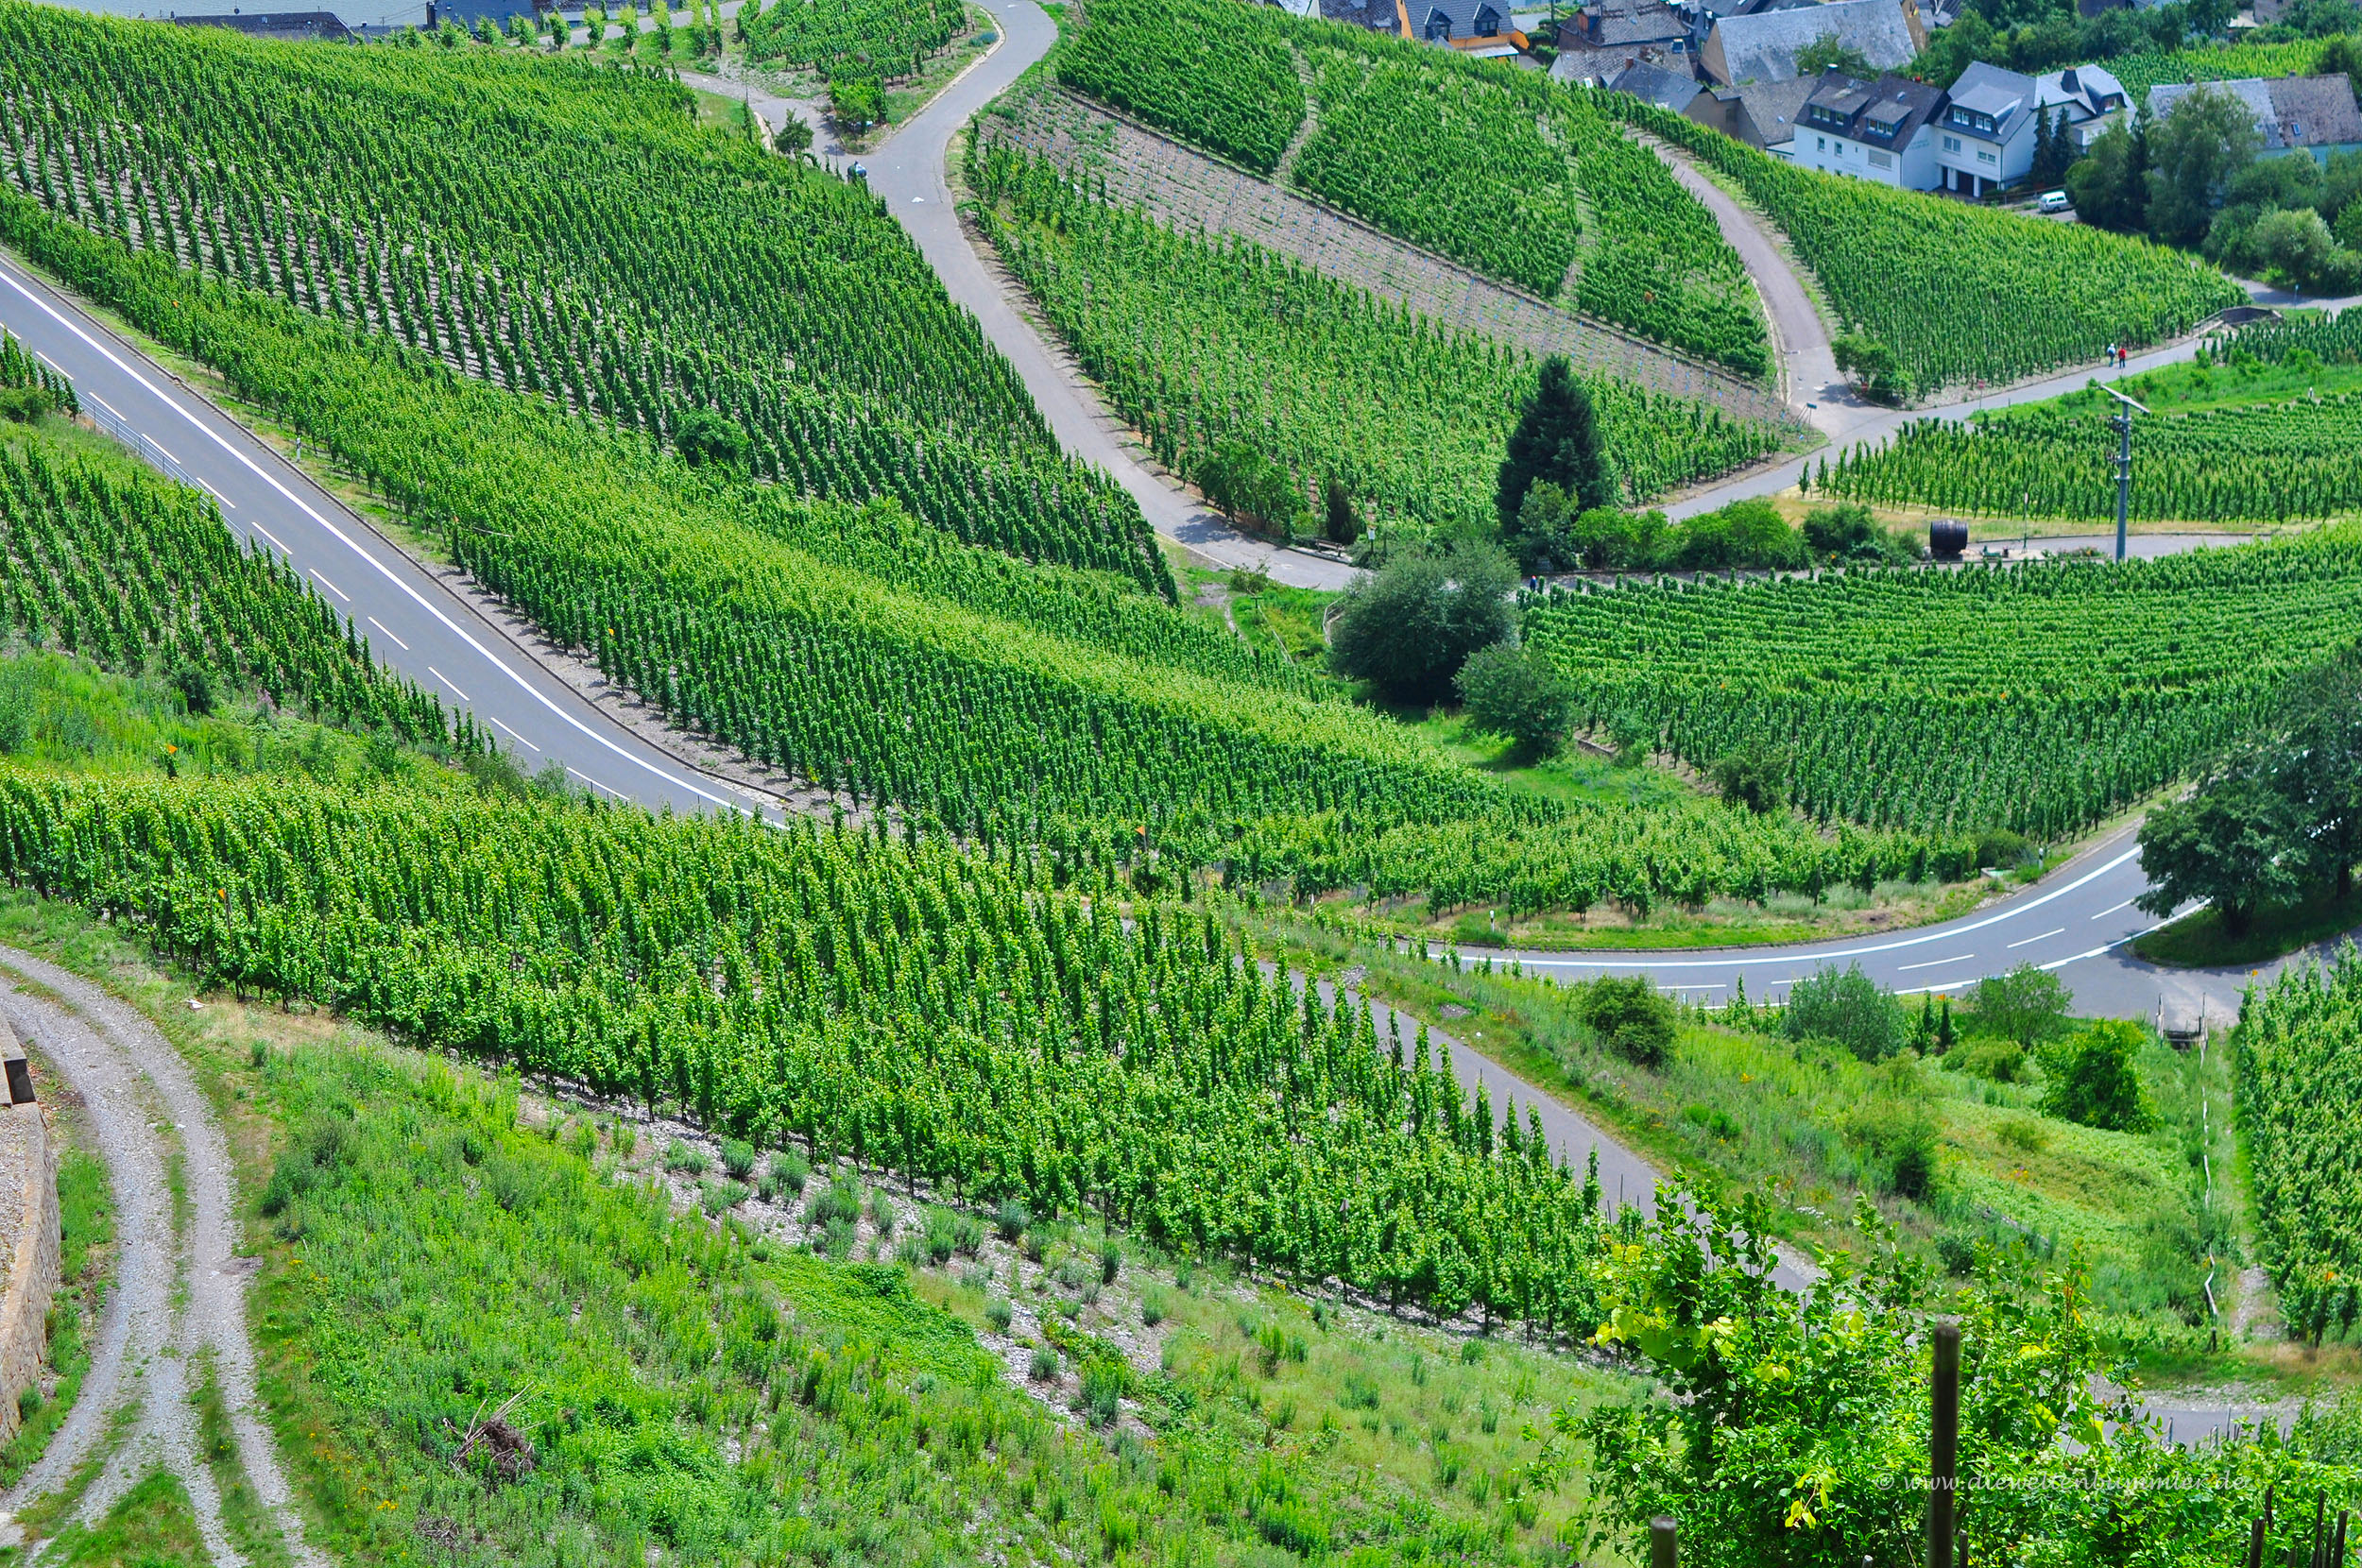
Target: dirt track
(179, 1296)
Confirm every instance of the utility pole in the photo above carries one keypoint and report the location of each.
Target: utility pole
(2122, 421)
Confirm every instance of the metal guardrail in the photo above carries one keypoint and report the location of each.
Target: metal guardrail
(108, 422)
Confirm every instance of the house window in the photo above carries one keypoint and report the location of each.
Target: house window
(1821, 143)
(1882, 159)
(1951, 143)
(1986, 157)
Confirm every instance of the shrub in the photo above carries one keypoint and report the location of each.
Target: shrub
(999, 1314)
(1111, 1261)
(1408, 629)
(789, 1171)
(1848, 1008)
(1012, 1219)
(1044, 1366)
(1754, 776)
(2095, 1080)
(1746, 533)
(686, 1159)
(1630, 1016)
(1106, 1381)
(1515, 691)
(2024, 1005)
(738, 1158)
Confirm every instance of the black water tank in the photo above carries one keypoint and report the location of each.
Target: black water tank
(1946, 539)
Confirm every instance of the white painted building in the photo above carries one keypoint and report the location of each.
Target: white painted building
(1871, 130)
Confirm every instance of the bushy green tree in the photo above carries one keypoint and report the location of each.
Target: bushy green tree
(1630, 1016)
(1511, 691)
(1849, 1007)
(2235, 842)
(1754, 776)
(2194, 154)
(2093, 1077)
(2109, 185)
(1558, 438)
(1872, 363)
(1826, 53)
(707, 438)
(1612, 541)
(1748, 535)
(2024, 1005)
(1408, 627)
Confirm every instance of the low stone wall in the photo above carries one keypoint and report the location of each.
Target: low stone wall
(28, 1242)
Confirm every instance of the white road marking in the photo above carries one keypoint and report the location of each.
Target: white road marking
(331, 586)
(350, 543)
(1941, 985)
(1948, 934)
(446, 680)
(108, 406)
(2112, 908)
(593, 782)
(1958, 958)
(514, 736)
(380, 627)
(225, 501)
(2023, 941)
(161, 447)
(274, 539)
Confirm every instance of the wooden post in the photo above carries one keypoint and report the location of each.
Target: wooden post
(1663, 1553)
(2338, 1551)
(2255, 1545)
(1943, 1447)
(2320, 1511)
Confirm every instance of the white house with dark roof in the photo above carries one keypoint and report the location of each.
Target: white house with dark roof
(2315, 115)
(1871, 130)
(1986, 134)
(1763, 46)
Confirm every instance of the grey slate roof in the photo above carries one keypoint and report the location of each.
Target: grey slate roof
(1764, 46)
(1886, 112)
(1773, 106)
(1619, 22)
(302, 26)
(1989, 90)
(2088, 91)
(2292, 111)
(1437, 20)
(1376, 15)
(1672, 90)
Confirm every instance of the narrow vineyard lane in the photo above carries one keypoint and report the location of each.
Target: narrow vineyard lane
(178, 1298)
(907, 175)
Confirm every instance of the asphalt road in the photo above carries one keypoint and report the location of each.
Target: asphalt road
(907, 174)
(2076, 923)
(413, 622)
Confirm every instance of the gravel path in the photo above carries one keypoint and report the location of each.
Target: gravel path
(177, 1296)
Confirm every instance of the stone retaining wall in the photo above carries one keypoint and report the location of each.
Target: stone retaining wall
(28, 1242)
(1186, 189)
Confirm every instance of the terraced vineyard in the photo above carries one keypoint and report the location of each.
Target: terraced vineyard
(891, 37)
(101, 557)
(2037, 697)
(2250, 446)
(1489, 165)
(921, 1009)
(2298, 1099)
(2270, 463)
(2220, 62)
(2039, 294)
(998, 723)
(1201, 344)
(625, 264)
(1129, 165)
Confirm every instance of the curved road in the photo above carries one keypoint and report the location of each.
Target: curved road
(2076, 923)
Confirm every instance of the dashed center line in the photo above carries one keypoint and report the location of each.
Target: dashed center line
(2112, 909)
(274, 539)
(381, 626)
(226, 504)
(446, 680)
(1933, 962)
(513, 735)
(593, 782)
(331, 586)
(2023, 941)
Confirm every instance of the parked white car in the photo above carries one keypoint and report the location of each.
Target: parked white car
(2053, 201)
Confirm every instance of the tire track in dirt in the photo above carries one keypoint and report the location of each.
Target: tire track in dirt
(179, 1296)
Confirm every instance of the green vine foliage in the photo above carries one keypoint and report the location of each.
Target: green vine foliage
(563, 228)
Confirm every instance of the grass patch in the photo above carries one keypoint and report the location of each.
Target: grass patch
(152, 1527)
(2199, 941)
